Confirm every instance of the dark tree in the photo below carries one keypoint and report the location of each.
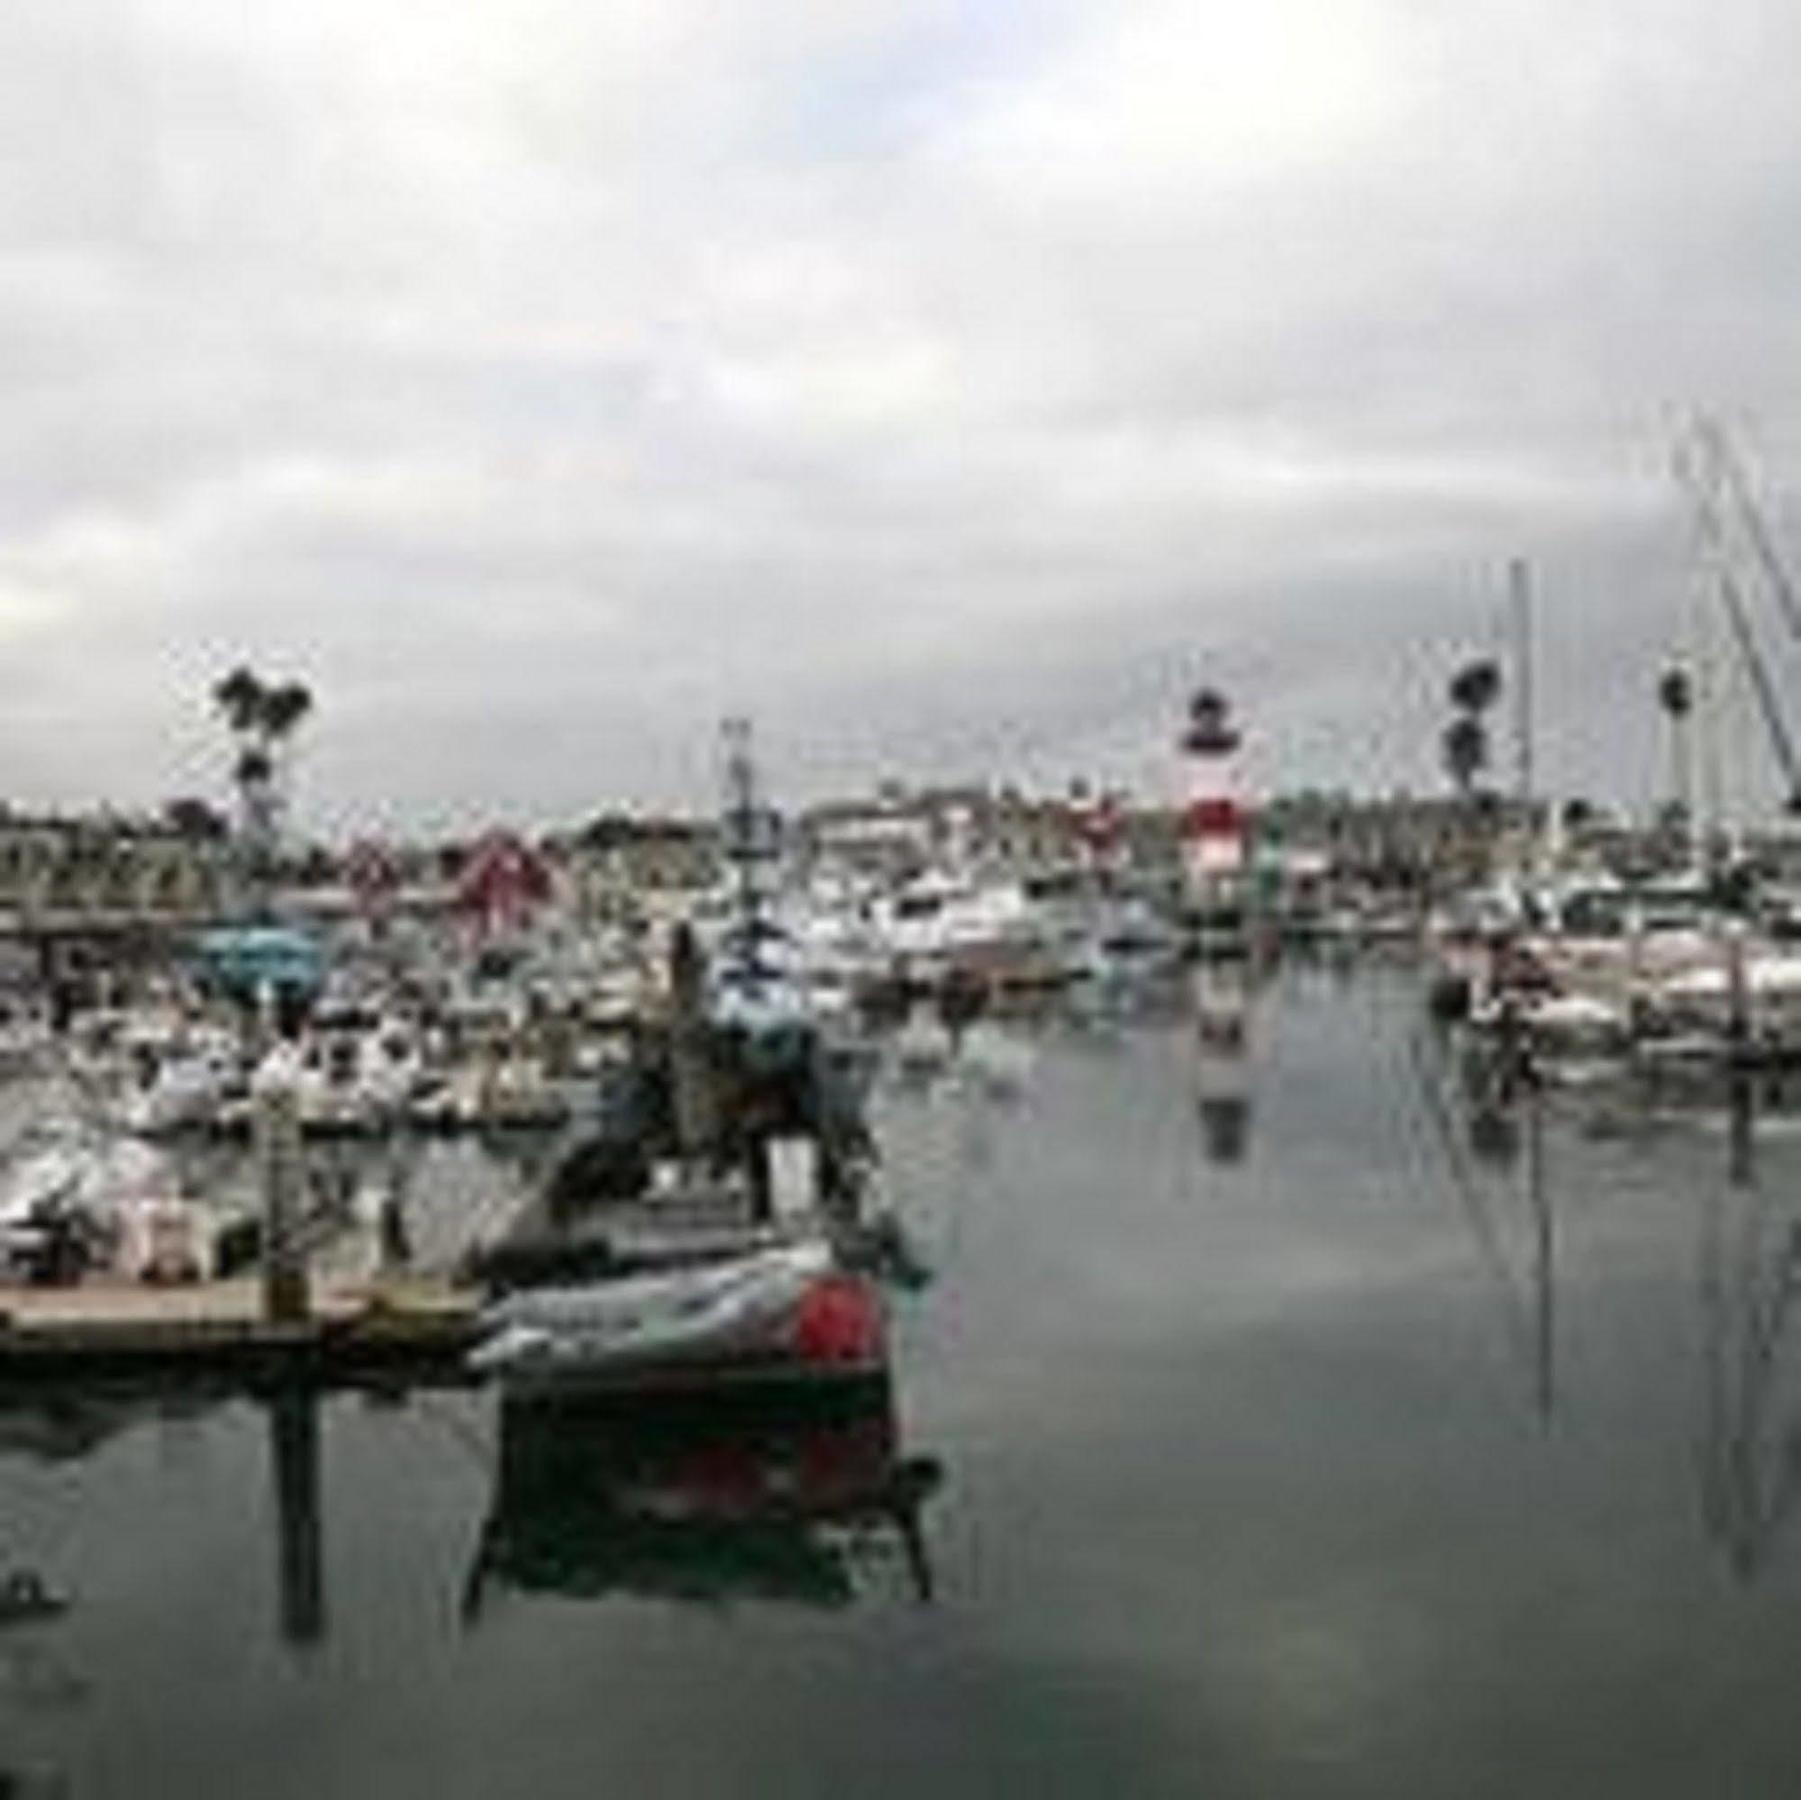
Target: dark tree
(240, 697)
(193, 819)
(1476, 686)
(1465, 748)
(262, 717)
(284, 707)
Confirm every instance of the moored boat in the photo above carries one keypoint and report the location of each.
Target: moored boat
(784, 1314)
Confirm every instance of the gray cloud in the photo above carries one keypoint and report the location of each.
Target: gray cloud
(541, 381)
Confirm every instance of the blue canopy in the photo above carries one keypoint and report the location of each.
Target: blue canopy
(245, 958)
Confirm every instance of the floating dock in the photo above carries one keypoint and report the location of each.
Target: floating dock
(417, 1326)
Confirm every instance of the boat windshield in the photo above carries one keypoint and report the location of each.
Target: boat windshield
(1594, 912)
(1672, 912)
(1609, 912)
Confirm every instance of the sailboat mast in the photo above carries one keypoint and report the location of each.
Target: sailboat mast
(1519, 584)
(749, 840)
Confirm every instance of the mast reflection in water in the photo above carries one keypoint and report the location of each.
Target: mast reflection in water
(1750, 1265)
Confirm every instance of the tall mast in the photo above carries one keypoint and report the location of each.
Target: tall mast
(1704, 466)
(1727, 469)
(1519, 583)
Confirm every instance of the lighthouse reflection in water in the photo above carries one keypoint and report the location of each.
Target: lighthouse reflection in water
(1222, 994)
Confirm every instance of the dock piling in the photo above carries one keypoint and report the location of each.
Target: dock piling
(281, 1164)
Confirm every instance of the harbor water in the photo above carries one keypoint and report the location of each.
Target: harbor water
(1292, 1430)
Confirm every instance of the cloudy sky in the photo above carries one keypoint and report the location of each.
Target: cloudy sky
(947, 384)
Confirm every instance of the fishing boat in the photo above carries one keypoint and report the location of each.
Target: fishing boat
(782, 1315)
(684, 1232)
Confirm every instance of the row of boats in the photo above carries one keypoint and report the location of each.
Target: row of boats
(1594, 971)
(516, 1036)
(699, 1082)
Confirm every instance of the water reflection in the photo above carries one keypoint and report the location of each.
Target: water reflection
(293, 1415)
(1494, 1162)
(1399, 1237)
(807, 1499)
(37, 1674)
(1750, 1270)
(34, 1672)
(706, 1504)
(1749, 1267)
(1222, 995)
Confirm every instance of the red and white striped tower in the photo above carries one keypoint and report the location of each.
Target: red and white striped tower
(1215, 825)
(1216, 871)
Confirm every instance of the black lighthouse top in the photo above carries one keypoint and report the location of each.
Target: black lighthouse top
(1210, 729)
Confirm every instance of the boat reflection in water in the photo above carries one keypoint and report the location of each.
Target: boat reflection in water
(713, 1500)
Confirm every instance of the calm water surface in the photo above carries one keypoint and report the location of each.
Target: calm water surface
(1288, 1446)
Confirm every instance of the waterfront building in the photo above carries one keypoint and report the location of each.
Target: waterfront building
(105, 868)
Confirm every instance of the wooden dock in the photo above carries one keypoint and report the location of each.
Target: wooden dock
(219, 1328)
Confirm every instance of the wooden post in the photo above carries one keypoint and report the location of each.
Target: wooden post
(757, 1169)
(696, 1103)
(1738, 997)
(282, 1168)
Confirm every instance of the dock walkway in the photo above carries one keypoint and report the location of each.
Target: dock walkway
(220, 1326)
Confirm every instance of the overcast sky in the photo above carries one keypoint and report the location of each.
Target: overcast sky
(947, 384)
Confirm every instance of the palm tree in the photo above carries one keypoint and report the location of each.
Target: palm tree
(284, 707)
(263, 717)
(240, 697)
(1465, 748)
(1676, 700)
(1473, 690)
(1476, 686)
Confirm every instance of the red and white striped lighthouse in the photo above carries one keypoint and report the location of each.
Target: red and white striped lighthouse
(1215, 825)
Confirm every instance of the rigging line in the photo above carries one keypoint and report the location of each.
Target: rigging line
(1774, 1505)
(1468, 1188)
(430, 1409)
(1714, 1451)
(1762, 686)
(1716, 549)
(1744, 1367)
(1756, 1513)
(1731, 471)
